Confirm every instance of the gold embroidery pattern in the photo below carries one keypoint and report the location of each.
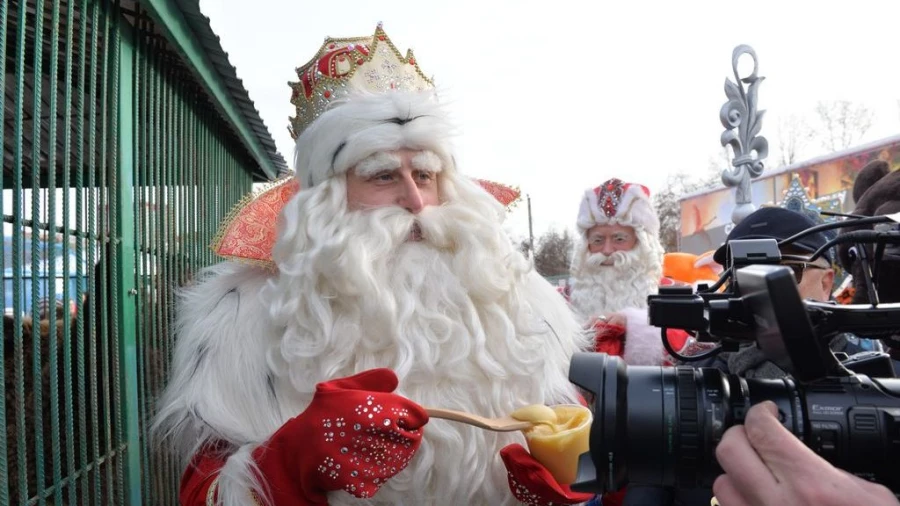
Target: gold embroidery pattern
(248, 232)
(509, 196)
(214, 489)
(211, 493)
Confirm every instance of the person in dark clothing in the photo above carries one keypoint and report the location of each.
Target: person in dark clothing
(750, 461)
(876, 192)
(815, 281)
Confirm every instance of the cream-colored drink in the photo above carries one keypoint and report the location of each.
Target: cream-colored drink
(559, 436)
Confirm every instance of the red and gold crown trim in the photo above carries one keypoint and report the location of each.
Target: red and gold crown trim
(372, 64)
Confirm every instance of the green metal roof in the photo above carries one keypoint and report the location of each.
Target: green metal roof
(188, 30)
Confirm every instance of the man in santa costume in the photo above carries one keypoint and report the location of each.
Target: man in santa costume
(301, 378)
(618, 262)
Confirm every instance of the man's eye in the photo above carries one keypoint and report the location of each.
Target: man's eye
(425, 176)
(384, 176)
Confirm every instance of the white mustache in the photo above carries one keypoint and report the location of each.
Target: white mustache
(398, 223)
(617, 258)
(430, 226)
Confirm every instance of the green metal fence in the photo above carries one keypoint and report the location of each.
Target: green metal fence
(117, 167)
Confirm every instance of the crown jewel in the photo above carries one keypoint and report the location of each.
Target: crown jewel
(340, 66)
(608, 196)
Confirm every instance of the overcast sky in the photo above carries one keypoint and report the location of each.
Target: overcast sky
(556, 97)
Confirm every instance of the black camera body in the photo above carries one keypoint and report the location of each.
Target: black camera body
(659, 426)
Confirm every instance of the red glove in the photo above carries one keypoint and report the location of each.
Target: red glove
(532, 484)
(354, 436)
(678, 340)
(609, 338)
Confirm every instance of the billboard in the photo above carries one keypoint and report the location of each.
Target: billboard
(828, 180)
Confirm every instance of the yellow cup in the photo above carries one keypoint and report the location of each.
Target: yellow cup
(558, 447)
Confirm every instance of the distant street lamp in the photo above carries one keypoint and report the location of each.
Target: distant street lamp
(530, 229)
(742, 124)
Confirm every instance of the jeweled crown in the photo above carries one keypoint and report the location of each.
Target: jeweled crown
(372, 64)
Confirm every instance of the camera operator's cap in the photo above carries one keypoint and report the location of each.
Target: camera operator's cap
(775, 223)
(618, 203)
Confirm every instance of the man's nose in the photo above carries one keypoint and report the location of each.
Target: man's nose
(410, 197)
(608, 248)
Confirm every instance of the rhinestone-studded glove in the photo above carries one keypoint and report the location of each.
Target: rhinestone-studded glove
(354, 436)
(532, 484)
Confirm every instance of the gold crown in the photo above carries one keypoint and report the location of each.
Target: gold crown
(340, 66)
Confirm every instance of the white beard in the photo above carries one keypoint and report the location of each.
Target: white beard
(460, 317)
(599, 290)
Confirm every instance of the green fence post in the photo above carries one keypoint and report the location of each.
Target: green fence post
(124, 251)
(4, 465)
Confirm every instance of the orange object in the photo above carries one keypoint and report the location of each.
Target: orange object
(690, 269)
(845, 296)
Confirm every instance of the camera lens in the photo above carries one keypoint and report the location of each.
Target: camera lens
(659, 426)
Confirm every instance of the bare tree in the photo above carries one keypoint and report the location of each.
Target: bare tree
(553, 252)
(794, 134)
(843, 123)
(667, 204)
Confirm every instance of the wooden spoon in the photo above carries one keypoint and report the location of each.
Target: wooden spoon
(502, 424)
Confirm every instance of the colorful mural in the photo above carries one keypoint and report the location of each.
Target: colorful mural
(827, 180)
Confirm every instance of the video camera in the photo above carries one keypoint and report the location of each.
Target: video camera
(659, 426)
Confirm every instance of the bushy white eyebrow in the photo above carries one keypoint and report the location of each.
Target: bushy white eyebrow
(427, 161)
(377, 163)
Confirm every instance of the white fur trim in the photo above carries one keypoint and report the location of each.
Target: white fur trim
(643, 342)
(364, 124)
(635, 210)
(238, 483)
(219, 365)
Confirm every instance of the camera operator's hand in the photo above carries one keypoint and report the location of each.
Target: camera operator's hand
(767, 465)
